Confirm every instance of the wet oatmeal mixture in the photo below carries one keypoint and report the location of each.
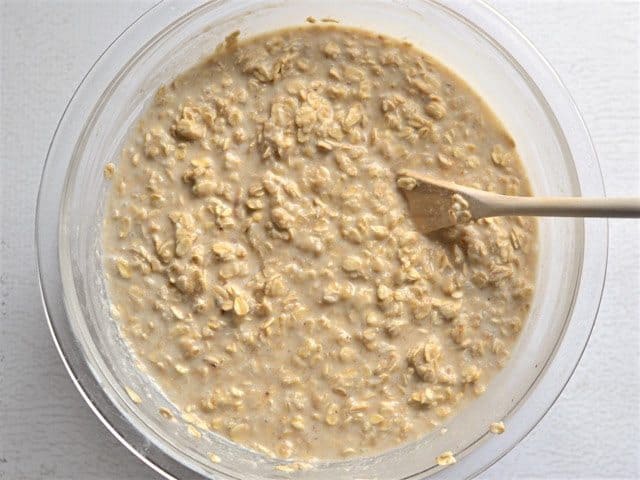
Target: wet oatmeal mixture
(261, 261)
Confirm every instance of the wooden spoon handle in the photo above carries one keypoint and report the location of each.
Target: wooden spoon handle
(561, 206)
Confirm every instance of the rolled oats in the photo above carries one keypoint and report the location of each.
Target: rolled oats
(261, 262)
(446, 458)
(497, 427)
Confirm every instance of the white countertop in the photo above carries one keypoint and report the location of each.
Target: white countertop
(46, 430)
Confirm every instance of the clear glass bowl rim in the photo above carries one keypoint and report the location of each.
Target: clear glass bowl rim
(552, 379)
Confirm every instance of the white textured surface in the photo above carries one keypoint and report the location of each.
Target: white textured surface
(46, 431)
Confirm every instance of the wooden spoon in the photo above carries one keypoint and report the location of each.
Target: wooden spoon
(436, 204)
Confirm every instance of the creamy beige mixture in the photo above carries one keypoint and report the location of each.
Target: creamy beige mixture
(261, 261)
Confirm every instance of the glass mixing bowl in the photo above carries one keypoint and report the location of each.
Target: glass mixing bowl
(469, 37)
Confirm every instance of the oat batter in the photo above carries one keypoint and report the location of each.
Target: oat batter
(261, 260)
